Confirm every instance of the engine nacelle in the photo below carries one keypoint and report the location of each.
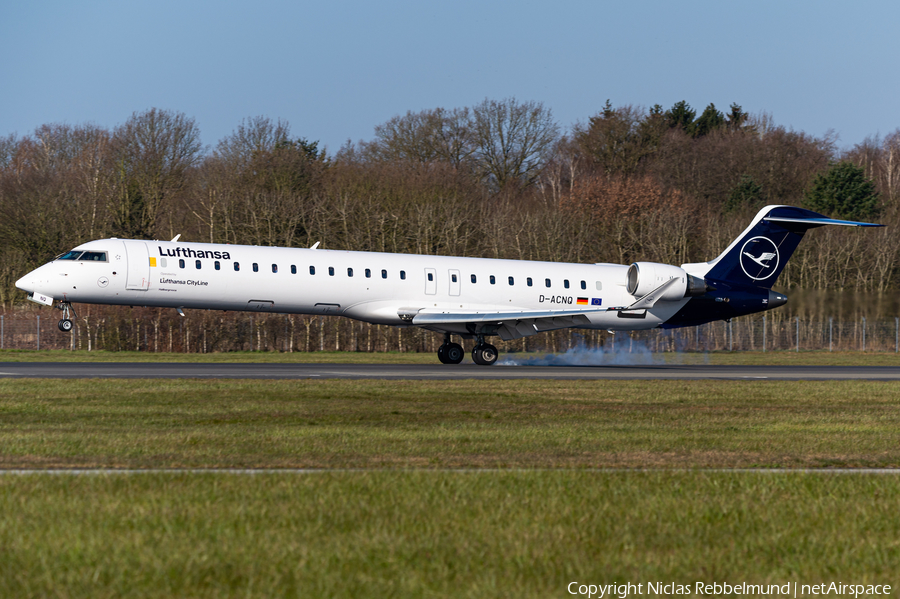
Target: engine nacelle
(644, 277)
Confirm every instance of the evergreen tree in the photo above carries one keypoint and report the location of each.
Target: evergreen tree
(709, 121)
(681, 116)
(737, 117)
(843, 191)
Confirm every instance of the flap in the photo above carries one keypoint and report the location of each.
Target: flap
(426, 317)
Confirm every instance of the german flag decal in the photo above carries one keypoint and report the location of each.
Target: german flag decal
(582, 301)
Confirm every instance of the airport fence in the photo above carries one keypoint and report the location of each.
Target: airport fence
(154, 330)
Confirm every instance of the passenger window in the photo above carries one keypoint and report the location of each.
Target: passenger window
(566, 283)
(217, 265)
(474, 279)
(454, 278)
(349, 272)
(528, 281)
(274, 268)
(330, 271)
(255, 267)
(430, 277)
(383, 274)
(293, 269)
(237, 266)
(402, 275)
(181, 263)
(599, 286)
(368, 273)
(312, 270)
(197, 264)
(493, 279)
(584, 284)
(512, 281)
(163, 262)
(547, 282)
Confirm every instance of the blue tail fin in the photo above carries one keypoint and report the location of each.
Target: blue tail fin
(760, 253)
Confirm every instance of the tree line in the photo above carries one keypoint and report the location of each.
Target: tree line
(498, 179)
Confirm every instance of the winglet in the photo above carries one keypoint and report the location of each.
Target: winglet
(315, 245)
(174, 239)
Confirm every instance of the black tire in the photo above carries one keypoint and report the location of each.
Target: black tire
(65, 325)
(489, 354)
(482, 355)
(442, 354)
(454, 353)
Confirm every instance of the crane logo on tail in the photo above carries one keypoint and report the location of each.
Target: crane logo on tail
(759, 258)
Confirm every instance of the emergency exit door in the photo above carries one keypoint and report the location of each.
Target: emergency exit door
(138, 259)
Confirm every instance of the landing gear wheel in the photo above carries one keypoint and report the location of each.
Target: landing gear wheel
(454, 353)
(65, 325)
(484, 354)
(450, 353)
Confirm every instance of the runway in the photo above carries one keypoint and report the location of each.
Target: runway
(153, 370)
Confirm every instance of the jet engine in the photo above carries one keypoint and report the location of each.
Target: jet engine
(644, 277)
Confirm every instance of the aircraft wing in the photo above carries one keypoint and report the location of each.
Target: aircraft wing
(513, 324)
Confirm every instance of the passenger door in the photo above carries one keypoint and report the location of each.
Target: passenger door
(137, 258)
(430, 281)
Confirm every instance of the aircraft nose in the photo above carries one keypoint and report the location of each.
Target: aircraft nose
(26, 283)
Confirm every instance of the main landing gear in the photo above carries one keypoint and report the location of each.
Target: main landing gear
(450, 353)
(483, 354)
(65, 325)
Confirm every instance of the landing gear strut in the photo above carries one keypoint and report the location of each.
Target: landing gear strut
(65, 325)
(450, 353)
(484, 354)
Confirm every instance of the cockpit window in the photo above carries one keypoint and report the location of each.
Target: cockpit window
(84, 256)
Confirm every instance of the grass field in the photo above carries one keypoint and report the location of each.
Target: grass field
(437, 534)
(811, 358)
(526, 513)
(455, 424)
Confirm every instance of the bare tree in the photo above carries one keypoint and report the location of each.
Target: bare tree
(253, 135)
(154, 152)
(512, 141)
(619, 140)
(429, 136)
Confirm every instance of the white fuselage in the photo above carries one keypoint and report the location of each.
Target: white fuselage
(367, 286)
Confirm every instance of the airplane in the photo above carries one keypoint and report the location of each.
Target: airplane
(473, 298)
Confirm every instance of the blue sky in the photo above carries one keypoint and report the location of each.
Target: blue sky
(335, 70)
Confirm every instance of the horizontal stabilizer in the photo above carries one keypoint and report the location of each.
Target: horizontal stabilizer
(759, 254)
(819, 222)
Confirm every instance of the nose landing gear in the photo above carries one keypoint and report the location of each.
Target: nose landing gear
(65, 325)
